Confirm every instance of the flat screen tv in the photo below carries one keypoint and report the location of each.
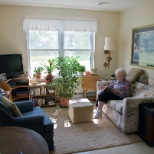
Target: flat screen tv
(11, 64)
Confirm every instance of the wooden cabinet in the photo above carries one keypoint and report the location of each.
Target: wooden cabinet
(89, 83)
(146, 122)
(43, 95)
(18, 87)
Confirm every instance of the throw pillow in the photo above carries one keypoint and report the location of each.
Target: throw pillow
(133, 74)
(11, 106)
(132, 86)
(4, 107)
(138, 89)
(143, 79)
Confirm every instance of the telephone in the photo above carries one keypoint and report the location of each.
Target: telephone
(1, 90)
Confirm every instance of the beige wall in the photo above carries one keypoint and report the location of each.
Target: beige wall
(141, 15)
(13, 38)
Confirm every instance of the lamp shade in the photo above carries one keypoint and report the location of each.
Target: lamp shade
(110, 43)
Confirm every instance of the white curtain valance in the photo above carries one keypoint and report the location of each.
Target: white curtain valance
(60, 25)
(79, 25)
(40, 24)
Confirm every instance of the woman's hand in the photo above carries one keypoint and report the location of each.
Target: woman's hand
(115, 90)
(102, 87)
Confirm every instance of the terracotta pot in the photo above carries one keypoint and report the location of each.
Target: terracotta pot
(38, 75)
(64, 102)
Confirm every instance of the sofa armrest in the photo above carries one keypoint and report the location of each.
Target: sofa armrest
(101, 83)
(25, 106)
(130, 113)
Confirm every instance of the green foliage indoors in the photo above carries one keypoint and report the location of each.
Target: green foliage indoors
(50, 65)
(82, 68)
(69, 79)
(38, 69)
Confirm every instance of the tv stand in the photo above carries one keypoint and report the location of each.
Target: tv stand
(18, 87)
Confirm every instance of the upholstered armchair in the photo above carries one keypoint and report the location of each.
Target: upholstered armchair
(24, 114)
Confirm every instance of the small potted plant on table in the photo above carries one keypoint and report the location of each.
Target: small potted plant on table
(38, 71)
(49, 67)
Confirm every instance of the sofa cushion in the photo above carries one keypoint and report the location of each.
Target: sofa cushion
(116, 105)
(48, 124)
(4, 107)
(147, 91)
(138, 89)
(11, 106)
(133, 74)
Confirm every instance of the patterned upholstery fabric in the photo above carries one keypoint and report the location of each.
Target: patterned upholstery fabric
(125, 113)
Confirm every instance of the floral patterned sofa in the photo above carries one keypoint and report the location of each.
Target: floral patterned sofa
(125, 113)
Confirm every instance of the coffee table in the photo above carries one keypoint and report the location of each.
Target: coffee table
(15, 139)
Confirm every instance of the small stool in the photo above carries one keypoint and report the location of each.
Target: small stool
(80, 110)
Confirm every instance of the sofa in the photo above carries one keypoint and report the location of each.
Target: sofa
(125, 113)
(24, 114)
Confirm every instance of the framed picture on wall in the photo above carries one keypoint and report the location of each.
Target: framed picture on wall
(143, 46)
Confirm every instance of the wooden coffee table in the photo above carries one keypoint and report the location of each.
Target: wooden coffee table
(15, 139)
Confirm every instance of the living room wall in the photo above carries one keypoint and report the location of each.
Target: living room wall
(13, 38)
(138, 16)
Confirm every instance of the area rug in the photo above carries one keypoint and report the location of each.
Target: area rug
(99, 134)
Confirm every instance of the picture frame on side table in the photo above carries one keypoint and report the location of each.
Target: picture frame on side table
(143, 46)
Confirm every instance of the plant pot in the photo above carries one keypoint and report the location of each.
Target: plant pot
(64, 102)
(49, 77)
(38, 75)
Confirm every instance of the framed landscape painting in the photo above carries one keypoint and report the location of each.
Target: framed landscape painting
(143, 46)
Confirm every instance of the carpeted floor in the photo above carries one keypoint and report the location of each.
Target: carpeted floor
(70, 138)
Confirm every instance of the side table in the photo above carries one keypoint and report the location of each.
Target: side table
(15, 139)
(146, 123)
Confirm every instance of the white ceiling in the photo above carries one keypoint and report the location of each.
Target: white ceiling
(112, 5)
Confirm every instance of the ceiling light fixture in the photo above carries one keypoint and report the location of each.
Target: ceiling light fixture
(103, 3)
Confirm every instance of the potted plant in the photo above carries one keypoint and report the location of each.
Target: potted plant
(38, 71)
(49, 67)
(93, 70)
(68, 79)
(82, 69)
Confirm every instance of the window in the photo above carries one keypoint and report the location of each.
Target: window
(44, 45)
(49, 39)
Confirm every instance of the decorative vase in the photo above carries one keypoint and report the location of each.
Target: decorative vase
(49, 77)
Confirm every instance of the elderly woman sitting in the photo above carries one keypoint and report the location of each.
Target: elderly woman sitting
(117, 91)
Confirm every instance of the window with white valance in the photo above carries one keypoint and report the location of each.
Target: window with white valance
(60, 25)
(50, 38)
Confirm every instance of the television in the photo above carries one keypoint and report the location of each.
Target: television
(11, 64)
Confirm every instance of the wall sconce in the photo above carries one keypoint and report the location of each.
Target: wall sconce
(110, 44)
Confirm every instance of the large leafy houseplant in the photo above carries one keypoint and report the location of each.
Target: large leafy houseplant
(68, 78)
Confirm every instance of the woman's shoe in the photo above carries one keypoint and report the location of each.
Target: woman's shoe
(98, 115)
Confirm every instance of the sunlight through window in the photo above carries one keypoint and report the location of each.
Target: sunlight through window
(67, 123)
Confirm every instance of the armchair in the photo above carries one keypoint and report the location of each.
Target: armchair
(31, 117)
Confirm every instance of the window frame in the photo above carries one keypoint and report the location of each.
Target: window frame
(61, 50)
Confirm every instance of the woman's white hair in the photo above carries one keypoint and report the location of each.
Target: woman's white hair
(121, 71)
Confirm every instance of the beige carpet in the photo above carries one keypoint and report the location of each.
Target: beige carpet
(71, 138)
